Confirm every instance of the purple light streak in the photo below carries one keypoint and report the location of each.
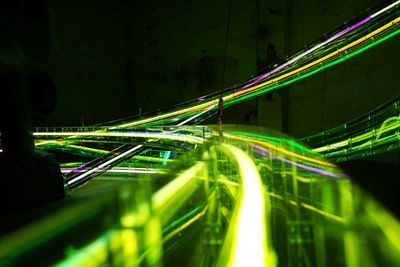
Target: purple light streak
(265, 152)
(339, 34)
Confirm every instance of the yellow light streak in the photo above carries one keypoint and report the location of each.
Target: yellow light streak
(386, 222)
(185, 225)
(279, 149)
(311, 207)
(214, 102)
(184, 138)
(318, 61)
(67, 144)
(388, 125)
(170, 197)
(167, 115)
(250, 235)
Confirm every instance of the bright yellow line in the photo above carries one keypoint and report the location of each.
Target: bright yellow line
(185, 225)
(167, 115)
(301, 178)
(45, 142)
(353, 140)
(153, 159)
(168, 199)
(184, 138)
(279, 149)
(250, 236)
(323, 213)
(233, 95)
(384, 27)
(66, 144)
(310, 207)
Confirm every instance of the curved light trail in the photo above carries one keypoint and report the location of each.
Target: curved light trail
(253, 199)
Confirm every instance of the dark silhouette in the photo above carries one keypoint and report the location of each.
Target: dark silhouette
(28, 178)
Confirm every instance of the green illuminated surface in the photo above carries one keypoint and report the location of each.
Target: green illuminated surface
(248, 192)
(373, 133)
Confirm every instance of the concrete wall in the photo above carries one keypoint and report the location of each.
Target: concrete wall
(88, 64)
(338, 94)
(117, 58)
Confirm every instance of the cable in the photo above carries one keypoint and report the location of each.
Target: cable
(228, 25)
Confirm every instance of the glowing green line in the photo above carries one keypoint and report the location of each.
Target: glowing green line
(270, 84)
(67, 144)
(271, 87)
(274, 140)
(388, 125)
(152, 159)
(186, 224)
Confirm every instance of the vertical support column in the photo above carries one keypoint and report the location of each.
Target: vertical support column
(285, 92)
(28, 178)
(270, 42)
